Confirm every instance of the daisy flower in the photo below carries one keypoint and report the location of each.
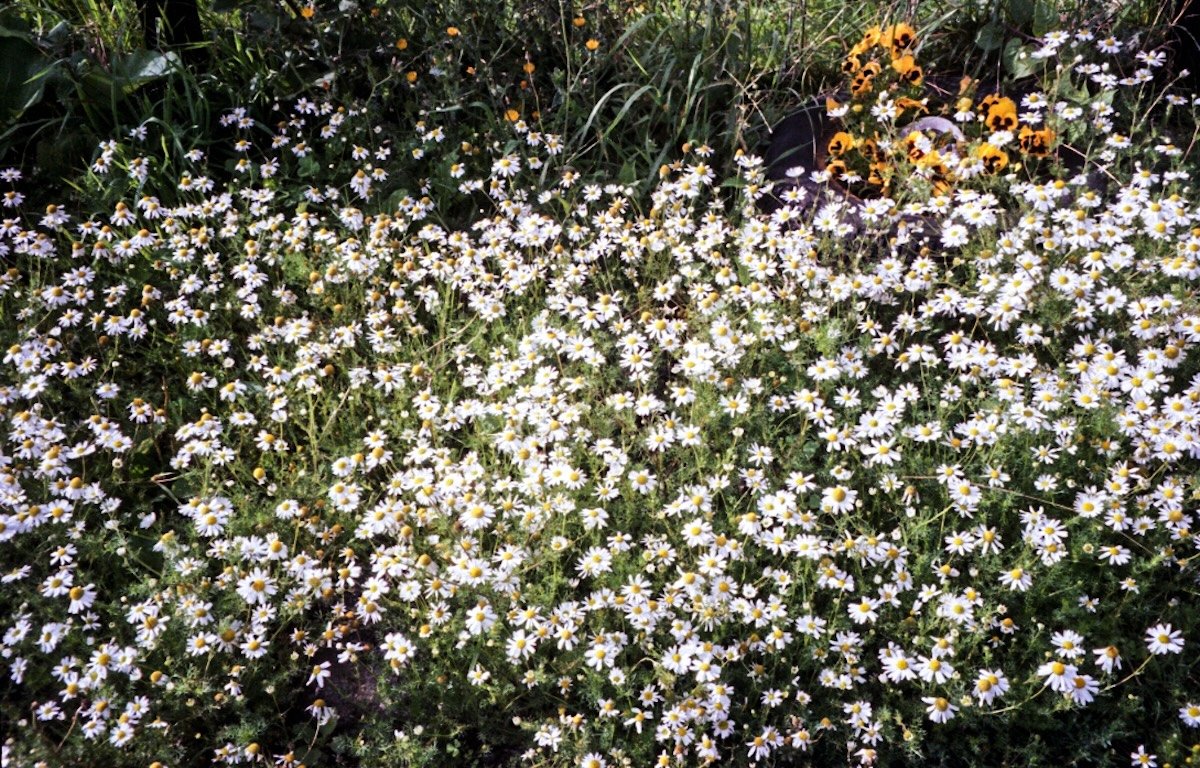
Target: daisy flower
(1162, 639)
(939, 709)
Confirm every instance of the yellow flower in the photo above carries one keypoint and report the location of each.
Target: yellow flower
(898, 38)
(869, 149)
(904, 104)
(880, 175)
(870, 40)
(861, 84)
(906, 67)
(411, 76)
(512, 115)
(994, 159)
(1002, 115)
(579, 21)
(308, 11)
(452, 31)
(840, 144)
(401, 44)
(1036, 143)
(592, 44)
(913, 143)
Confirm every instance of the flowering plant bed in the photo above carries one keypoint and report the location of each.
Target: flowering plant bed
(298, 468)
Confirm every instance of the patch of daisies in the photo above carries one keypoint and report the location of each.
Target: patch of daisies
(727, 485)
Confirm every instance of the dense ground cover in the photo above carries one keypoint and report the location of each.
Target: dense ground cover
(437, 389)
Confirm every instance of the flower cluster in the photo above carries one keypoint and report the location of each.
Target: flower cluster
(894, 128)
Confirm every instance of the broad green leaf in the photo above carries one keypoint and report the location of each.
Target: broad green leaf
(1021, 11)
(1018, 61)
(23, 71)
(990, 37)
(628, 173)
(141, 67)
(59, 35)
(1045, 18)
(308, 167)
(15, 33)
